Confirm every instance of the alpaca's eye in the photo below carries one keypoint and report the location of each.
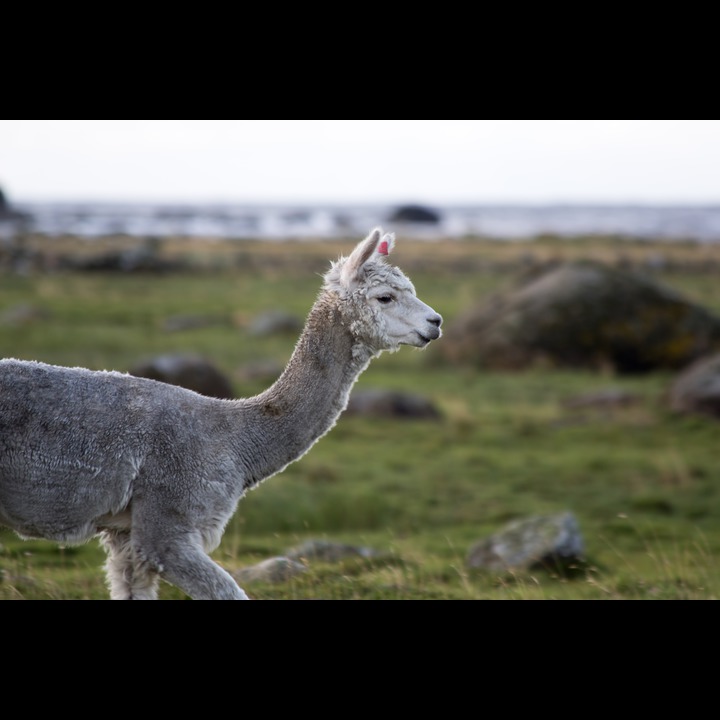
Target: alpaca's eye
(385, 299)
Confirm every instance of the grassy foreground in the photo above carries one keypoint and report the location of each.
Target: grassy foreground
(643, 483)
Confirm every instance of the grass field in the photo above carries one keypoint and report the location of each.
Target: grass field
(643, 483)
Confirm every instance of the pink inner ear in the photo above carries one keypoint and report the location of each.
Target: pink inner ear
(383, 248)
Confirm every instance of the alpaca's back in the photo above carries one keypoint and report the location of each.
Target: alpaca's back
(75, 445)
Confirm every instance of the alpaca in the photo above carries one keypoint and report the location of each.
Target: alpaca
(155, 470)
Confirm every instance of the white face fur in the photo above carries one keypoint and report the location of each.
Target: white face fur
(403, 318)
(387, 312)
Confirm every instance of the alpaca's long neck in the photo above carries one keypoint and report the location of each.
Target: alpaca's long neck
(307, 399)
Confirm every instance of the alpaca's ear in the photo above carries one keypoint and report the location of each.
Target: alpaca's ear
(386, 244)
(363, 251)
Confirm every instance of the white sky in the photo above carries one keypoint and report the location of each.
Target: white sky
(362, 161)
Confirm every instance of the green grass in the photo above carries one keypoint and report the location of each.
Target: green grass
(643, 483)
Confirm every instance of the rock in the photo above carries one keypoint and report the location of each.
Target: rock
(414, 214)
(697, 389)
(180, 323)
(10, 214)
(260, 371)
(583, 315)
(551, 541)
(294, 562)
(144, 258)
(273, 570)
(275, 321)
(188, 371)
(329, 551)
(391, 404)
(605, 398)
(23, 314)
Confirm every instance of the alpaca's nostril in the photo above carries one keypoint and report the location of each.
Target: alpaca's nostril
(435, 320)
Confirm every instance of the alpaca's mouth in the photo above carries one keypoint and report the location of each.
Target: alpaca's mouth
(434, 334)
(425, 339)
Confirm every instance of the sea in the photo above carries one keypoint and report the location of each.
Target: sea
(697, 223)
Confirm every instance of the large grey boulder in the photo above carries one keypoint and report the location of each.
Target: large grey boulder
(697, 388)
(584, 315)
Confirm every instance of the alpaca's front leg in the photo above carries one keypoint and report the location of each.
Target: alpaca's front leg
(178, 556)
(126, 578)
(188, 567)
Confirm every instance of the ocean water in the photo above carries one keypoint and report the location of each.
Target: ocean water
(272, 222)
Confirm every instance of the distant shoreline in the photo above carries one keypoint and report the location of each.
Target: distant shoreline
(700, 223)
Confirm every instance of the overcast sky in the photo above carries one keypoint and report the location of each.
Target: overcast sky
(362, 161)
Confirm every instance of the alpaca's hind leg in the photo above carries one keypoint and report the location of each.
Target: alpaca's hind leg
(127, 578)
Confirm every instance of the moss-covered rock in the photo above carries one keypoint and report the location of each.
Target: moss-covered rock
(584, 315)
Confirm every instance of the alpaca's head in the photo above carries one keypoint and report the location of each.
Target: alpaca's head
(378, 300)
